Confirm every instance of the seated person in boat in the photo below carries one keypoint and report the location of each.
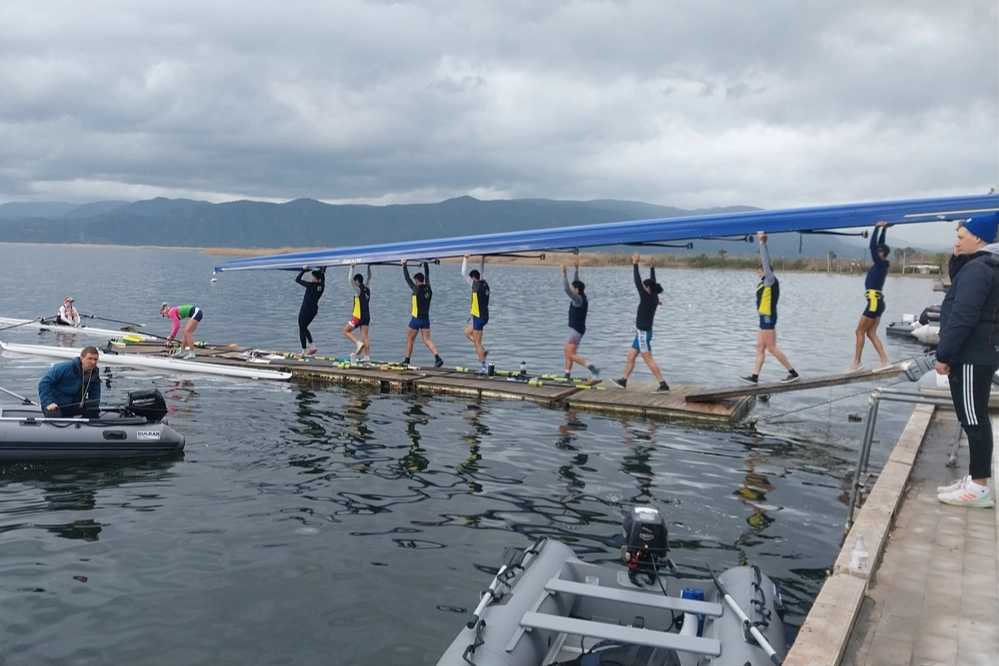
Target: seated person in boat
(68, 316)
(72, 388)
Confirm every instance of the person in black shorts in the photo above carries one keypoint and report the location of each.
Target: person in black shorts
(310, 306)
(867, 328)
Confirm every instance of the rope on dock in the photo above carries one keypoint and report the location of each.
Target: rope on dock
(772, 419)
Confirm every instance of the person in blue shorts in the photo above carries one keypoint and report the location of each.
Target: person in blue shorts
(648, 301)
(767, 295)
(419, 321)
(867, 329)
(480, 308)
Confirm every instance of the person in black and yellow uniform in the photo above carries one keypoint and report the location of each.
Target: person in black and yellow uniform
(871, 317)
(480, 308)
(420, 315)
(360, 318)
(767, 295)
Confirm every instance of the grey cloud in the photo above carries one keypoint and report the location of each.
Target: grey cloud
(687, 104)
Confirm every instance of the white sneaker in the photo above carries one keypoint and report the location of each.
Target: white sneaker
(972, 495)
(360, 346)
(956, 485)
(856, 367)
(884, 367)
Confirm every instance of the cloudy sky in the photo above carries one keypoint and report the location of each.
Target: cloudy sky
(691, 104)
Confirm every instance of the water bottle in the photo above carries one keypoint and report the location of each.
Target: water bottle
(860, 559)
(693, 623)
(523, 367)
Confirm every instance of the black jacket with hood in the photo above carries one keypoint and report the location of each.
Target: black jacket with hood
(969, 315)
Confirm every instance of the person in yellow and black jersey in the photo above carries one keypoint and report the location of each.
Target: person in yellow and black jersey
(420, 316)
(767, 295)
(871, 317)
(360, 318)
(480, 308)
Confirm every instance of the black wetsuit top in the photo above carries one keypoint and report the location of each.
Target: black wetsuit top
(313, 291)
(648, 302)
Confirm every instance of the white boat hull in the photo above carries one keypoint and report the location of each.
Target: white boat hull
(82, 330)
(140, 361)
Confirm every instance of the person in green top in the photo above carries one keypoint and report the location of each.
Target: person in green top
(176, 313)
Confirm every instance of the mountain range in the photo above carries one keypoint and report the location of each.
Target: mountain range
(310, 223)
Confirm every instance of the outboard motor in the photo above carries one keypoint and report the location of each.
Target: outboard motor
(148, 404)
(646, 542)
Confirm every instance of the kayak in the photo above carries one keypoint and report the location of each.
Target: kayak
(84, 330)
(157, 362)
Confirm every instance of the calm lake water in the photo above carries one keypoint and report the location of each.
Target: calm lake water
(311, 524)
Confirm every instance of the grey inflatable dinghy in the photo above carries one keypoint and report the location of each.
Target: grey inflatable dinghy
(546, 607)
(133, 430)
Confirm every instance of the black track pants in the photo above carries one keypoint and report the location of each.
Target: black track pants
(970, 386)
(305, 318)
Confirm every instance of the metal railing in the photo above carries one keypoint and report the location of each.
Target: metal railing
(864, 454)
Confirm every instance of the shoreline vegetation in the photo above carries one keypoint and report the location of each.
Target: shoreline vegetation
(934, 265)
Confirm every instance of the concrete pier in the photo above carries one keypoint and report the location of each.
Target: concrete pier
(932, 596)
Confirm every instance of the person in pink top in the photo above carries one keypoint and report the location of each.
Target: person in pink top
(190, 312)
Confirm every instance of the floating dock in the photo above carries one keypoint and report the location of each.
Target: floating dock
(638, 400)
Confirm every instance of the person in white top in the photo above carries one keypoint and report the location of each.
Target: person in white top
(68, 316)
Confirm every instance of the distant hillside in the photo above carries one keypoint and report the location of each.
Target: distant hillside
(310, 223)
(49, 209)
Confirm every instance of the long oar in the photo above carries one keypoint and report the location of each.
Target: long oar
(746, 623)
(116, 321)
(19, 397)
(40, 320)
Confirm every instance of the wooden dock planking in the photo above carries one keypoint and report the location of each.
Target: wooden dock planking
(639, 400)
(473, 386)
(713, 394)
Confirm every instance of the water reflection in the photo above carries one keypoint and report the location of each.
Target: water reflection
(77, 487)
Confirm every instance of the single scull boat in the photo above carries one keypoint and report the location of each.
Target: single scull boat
(84, 330)
(141, 361)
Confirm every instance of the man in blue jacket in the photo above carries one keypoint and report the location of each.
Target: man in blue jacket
(72, 388)
(967, 352)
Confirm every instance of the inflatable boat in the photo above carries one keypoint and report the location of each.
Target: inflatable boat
(133, 430)
(545, 606)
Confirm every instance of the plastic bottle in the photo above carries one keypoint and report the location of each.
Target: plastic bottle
(523, 367)
(860, 559)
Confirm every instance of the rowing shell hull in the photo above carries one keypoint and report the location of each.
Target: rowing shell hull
(139, 361)
(82, 330)
(26, 436)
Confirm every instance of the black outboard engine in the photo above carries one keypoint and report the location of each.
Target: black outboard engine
(148, 404)
(646, 542)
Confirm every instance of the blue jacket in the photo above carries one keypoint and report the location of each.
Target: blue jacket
(970, 312)
(64, 385)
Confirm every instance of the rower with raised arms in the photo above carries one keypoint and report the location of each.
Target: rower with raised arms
(480, 308)
(419, 320)
(360, 317)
